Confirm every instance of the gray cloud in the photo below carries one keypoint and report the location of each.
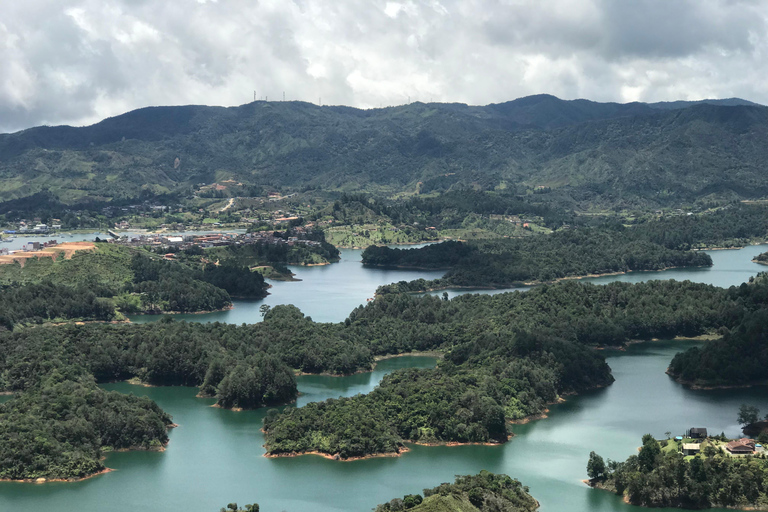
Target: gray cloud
(78, 61)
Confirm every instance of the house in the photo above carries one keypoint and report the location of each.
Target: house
(697, 433)
(691, 448)
(741, 446)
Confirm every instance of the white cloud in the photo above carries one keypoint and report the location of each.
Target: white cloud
(77, 61)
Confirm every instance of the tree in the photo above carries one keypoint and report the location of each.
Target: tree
(264, 309)
(748, 414)
(648, 453)
(595, 466)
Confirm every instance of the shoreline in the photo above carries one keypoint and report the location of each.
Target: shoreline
(624, 346)
(517, 285)
(700, 387)
(405, 449)
(44, 480)
(427, 353)
(335, 457)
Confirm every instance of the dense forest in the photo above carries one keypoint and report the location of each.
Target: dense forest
(60, 427)
(507, 356)
(506, 262)
(694, 152)
(37, 303)
(484, 492)
(657, 477)
(740, 357)
(651, 245)
(734, 225)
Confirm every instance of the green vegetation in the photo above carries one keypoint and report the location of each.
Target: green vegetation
(130, 280)
(653, 245)
(731, 226)
(549, 145)
(484, 492)
(738, 358)
(360, 220)
(507, 357)
(108, 266)
(47, 302)
(61, 425)
(657, 478)
(271, 254)
(506, 262)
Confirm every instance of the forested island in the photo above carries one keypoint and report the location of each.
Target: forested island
(660, 476)
(484, 492)
(507, 262)
(506, 357)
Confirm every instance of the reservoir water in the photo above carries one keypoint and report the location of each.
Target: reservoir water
(215, 456)
(329, 293)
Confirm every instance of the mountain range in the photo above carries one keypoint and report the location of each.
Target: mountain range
(657, 153)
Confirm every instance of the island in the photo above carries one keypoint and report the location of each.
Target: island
(691, 473)
(484, 492)
(509, 262)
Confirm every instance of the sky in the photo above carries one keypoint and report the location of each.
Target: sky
(78, 61)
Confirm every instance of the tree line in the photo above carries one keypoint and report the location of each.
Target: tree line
(510, 261)
(506, 357)
(659, 477)
(740, 357)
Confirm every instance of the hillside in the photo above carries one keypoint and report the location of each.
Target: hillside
(660, 153)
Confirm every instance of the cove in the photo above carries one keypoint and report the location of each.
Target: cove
(327, 293)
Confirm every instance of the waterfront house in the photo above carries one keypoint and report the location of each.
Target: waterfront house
(691, 448)
(697, 433)
(741, 446)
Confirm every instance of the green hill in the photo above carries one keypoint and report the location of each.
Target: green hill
(632, 152)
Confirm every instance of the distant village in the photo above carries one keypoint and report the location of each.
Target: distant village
(187, 241)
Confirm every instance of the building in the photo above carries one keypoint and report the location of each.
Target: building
(697, 433)
(741, 446)
(691, 448)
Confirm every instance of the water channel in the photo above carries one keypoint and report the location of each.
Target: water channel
(215, 456)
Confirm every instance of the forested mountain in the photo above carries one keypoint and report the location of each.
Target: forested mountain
(590, 151)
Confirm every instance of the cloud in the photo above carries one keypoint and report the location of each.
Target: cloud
(78, 61)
